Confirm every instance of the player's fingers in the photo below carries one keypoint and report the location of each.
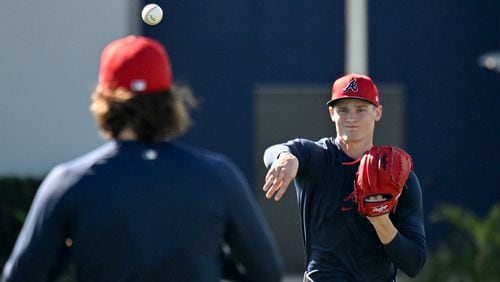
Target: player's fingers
(270, 178)
(287, 179)
(269, 187)
(275, 182)
(375, 198)
(280, 192)
(281, 185)
(272, 190)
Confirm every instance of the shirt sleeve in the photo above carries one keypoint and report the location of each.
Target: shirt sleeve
(39, 252)
(311, 155)
(408, 249)
(273, 152)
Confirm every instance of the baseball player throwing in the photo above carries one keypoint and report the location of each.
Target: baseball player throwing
(360, 204)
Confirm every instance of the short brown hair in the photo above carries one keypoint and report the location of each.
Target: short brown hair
(154, 117)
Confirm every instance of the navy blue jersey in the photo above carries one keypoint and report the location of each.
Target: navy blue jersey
(137, 212)
(340, 244)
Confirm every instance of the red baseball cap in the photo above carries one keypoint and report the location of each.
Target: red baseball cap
(354, 86)
(136, 63)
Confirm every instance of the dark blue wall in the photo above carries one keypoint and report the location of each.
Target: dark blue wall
(224, 48)
(213, 49)
(453, 125)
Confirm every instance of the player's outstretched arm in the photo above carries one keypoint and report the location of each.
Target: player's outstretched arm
(39, 252)
(280, 175)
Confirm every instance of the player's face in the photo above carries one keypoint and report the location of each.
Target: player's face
(355, 119)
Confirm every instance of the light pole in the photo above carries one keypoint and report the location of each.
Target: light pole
(356, 36)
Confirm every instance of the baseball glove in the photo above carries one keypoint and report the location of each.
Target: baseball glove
(380, 179)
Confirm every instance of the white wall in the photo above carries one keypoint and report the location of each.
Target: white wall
(49, 57)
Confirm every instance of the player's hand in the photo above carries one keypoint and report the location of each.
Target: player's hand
(386, 231)
(279, 176)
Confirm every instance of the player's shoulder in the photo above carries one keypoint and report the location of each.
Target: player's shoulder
(327, 143)
(65, 175)
(212, 165)
(324, 143)
(314, 154)
(324, 147)
(79, 166)
(202, 156)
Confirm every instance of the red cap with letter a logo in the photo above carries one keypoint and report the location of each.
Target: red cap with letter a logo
(354, 86)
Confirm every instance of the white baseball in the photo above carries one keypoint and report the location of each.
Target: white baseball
(152, 14)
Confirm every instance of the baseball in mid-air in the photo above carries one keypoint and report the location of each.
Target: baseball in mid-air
(152, 14)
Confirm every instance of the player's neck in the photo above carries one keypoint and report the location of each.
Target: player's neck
(354, 149)
(127, 134)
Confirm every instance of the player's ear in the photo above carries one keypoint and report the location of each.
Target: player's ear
(378, 112)
(330, 109)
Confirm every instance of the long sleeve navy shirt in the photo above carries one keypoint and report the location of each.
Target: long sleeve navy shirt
(340, 244)
(138, 212)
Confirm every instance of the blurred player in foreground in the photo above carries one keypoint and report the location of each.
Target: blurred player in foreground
(343, 239)
(143, 207)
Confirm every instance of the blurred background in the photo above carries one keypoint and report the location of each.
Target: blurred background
(263, 71)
